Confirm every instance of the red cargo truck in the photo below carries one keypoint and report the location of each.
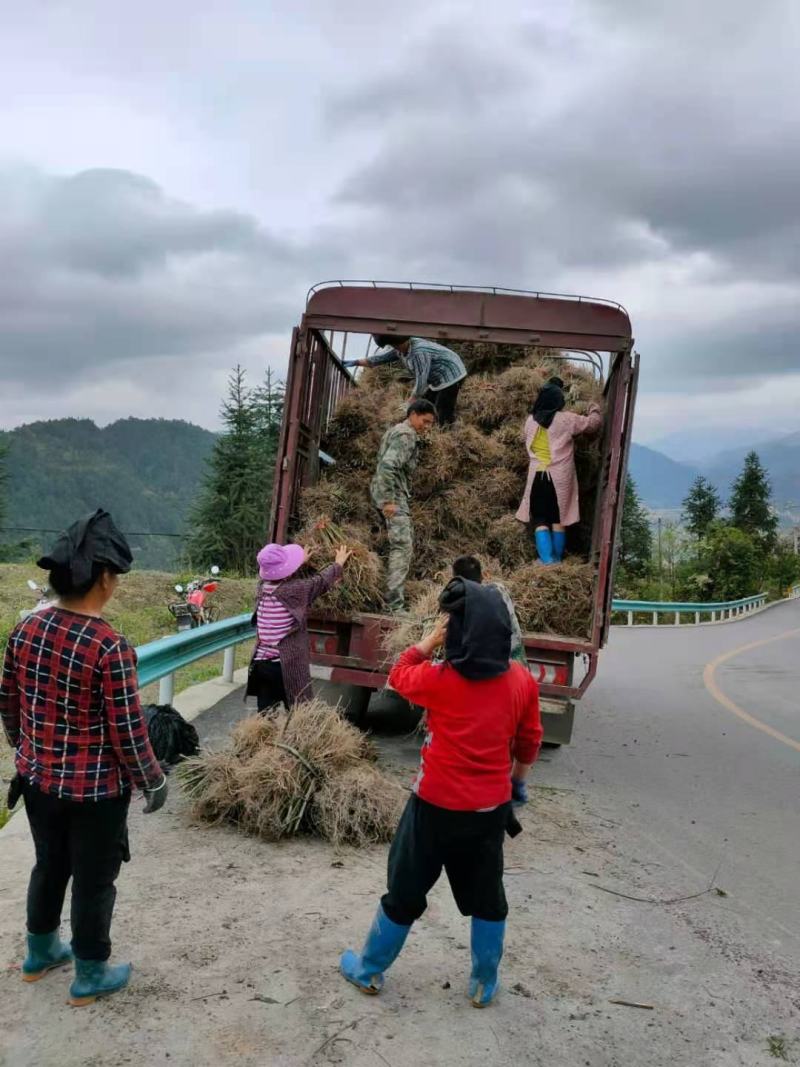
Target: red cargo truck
(339, 317)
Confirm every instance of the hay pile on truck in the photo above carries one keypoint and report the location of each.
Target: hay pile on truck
(470, 478)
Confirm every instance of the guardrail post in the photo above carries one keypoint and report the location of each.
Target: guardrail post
(655, 618)
(166, 689)
(630, 618)
(713, 616)
(697, 617)
(677, 619)
(228, 663)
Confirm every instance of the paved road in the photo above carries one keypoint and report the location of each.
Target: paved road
(706, 790)
(703, 785)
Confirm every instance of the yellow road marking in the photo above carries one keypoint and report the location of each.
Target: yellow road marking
(710, 682)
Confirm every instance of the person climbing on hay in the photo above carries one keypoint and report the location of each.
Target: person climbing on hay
(438, 372)
(550, 501)
(280, 670)
(469, 567)
(483, 728)
(391, 494)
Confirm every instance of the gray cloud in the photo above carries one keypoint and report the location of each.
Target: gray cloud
(630, 149)
(107, 268)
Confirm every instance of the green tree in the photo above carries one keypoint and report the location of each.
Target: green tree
(784, 568)
(673, 557)
(701, 506)
(636, 537)
(3, 484)
(732, 562)
(229, 520)
(749, 504)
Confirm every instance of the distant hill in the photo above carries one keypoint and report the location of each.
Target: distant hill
(146, 472)
(780, 456)
(661, 481)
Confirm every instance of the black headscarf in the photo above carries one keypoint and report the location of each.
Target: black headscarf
(93, 539)
(550, 400)
(478, 643)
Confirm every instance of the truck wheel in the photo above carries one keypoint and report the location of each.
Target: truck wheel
(353, 700)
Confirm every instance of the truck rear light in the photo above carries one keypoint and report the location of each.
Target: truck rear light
(324, 644)
(549, 673)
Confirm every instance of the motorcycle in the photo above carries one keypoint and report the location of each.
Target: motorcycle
(193, 611)
(46, 599)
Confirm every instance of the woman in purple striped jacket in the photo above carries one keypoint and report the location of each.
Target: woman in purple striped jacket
(280, 671)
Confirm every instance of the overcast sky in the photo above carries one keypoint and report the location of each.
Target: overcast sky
(173, 177)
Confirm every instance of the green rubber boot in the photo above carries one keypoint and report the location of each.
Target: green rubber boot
(96, 978)
(45, 953)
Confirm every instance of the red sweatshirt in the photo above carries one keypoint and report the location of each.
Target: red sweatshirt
(474, 729)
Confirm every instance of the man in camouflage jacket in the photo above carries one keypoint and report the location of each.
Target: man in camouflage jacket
(391, 493)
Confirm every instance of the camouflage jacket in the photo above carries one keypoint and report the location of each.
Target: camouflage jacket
(397, 461)
(517, 645)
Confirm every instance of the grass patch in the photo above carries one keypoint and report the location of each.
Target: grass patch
(140, 611)
(776, 1047)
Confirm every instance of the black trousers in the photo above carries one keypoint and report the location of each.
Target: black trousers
(444, 400)
(266, 683)
(467, 844)
(543, 502)
(87, 840)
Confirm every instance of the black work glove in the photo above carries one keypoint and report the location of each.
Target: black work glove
(14, 791)
(156, 798)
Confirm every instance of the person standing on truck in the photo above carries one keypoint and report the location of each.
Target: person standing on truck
(438, 372)
(69, 703)
(469, 567)
(280, 670)
(550, 501)
(391, 493)
(483, 727)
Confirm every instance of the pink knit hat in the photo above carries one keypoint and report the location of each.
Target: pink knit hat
(279, 561)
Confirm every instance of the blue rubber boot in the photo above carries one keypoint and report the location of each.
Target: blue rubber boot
(45, 953)
(559, 541)
(487, 951)
(544, 546)
(384, 943)
(96, 978)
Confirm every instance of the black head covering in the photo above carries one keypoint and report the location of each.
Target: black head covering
(93, 539)
(478, 643)
(550, 400)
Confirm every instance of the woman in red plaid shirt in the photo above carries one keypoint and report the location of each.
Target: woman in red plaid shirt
(70, 708)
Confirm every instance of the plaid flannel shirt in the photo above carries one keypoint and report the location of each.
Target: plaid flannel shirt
(433, 366)
(69, 703)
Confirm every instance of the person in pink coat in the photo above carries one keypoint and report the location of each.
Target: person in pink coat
(550, 503)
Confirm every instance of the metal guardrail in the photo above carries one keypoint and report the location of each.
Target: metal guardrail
(717, 610)
(159, 660)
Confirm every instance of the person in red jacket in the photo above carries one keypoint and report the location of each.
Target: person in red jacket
(483, 728)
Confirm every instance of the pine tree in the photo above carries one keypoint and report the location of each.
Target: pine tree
(636, 537)
(231, 514)
(701, 506)
(749, 504)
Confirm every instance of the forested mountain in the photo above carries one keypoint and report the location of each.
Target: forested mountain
(146, 472)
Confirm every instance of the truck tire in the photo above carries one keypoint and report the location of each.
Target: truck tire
(353, 700)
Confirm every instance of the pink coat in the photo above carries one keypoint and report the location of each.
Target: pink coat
(565, 426)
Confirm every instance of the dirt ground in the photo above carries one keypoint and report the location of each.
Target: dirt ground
(235, 945)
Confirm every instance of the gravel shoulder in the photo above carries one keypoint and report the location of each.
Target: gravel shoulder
(235, 945)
